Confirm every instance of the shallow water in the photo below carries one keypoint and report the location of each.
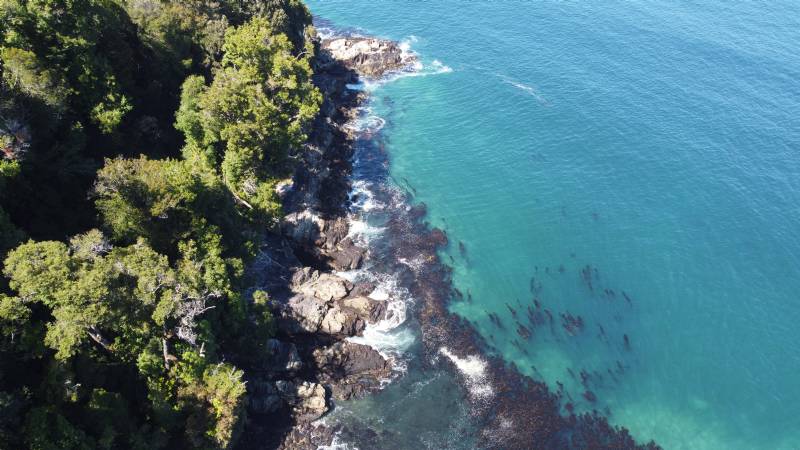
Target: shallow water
(653, 142)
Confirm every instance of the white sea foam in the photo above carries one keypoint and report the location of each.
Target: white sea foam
(325, 32)
(367, 124)
(530, 90)
(396, 299)
(390, 336)
(362, 232)
(473, 368)
(440, 67)
(418, 69)
(337, 444)
(387, 336)
(362, 197)
(415, 264)
(359, 86)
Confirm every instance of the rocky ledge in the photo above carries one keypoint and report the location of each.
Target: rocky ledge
(311, 365)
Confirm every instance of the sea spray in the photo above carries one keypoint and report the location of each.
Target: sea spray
(473, 368)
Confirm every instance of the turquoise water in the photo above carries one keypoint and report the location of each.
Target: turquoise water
(655, 142)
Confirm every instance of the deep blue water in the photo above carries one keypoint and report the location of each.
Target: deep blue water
(654, 142)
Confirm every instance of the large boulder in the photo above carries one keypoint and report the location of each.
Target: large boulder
(322, 304)
(368, 309)
(302, 227)
(333, 231)
(342, 322)
(309, 314)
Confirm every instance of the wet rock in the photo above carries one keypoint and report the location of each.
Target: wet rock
(333, 232)
(342, 322)
(320, 306)
(351, 369)
(362, 289)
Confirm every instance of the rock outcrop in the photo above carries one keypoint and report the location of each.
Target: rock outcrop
(351, 369)
(323, 242)
(321, 304)
(306, 401)
(369, 57)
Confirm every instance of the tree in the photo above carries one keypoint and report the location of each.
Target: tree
(132, 305)
(253, 115)
(130, 337)
(168, 201)
(72, 55)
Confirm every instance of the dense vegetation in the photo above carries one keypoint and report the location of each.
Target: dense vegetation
(141, 142)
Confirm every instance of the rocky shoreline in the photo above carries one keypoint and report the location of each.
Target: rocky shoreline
(311, 363)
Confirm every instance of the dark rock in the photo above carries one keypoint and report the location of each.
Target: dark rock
(284, 358)
(351, 369)
(347, 255)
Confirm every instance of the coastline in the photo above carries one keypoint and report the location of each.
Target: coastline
(502, 401)
(317, 307)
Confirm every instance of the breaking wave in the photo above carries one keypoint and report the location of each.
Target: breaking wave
(473, 368)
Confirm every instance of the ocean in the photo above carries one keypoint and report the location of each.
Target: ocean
(629, 167)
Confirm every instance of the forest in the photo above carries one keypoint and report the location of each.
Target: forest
(142, 142)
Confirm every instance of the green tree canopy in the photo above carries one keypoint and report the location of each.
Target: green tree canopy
(253, 115)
